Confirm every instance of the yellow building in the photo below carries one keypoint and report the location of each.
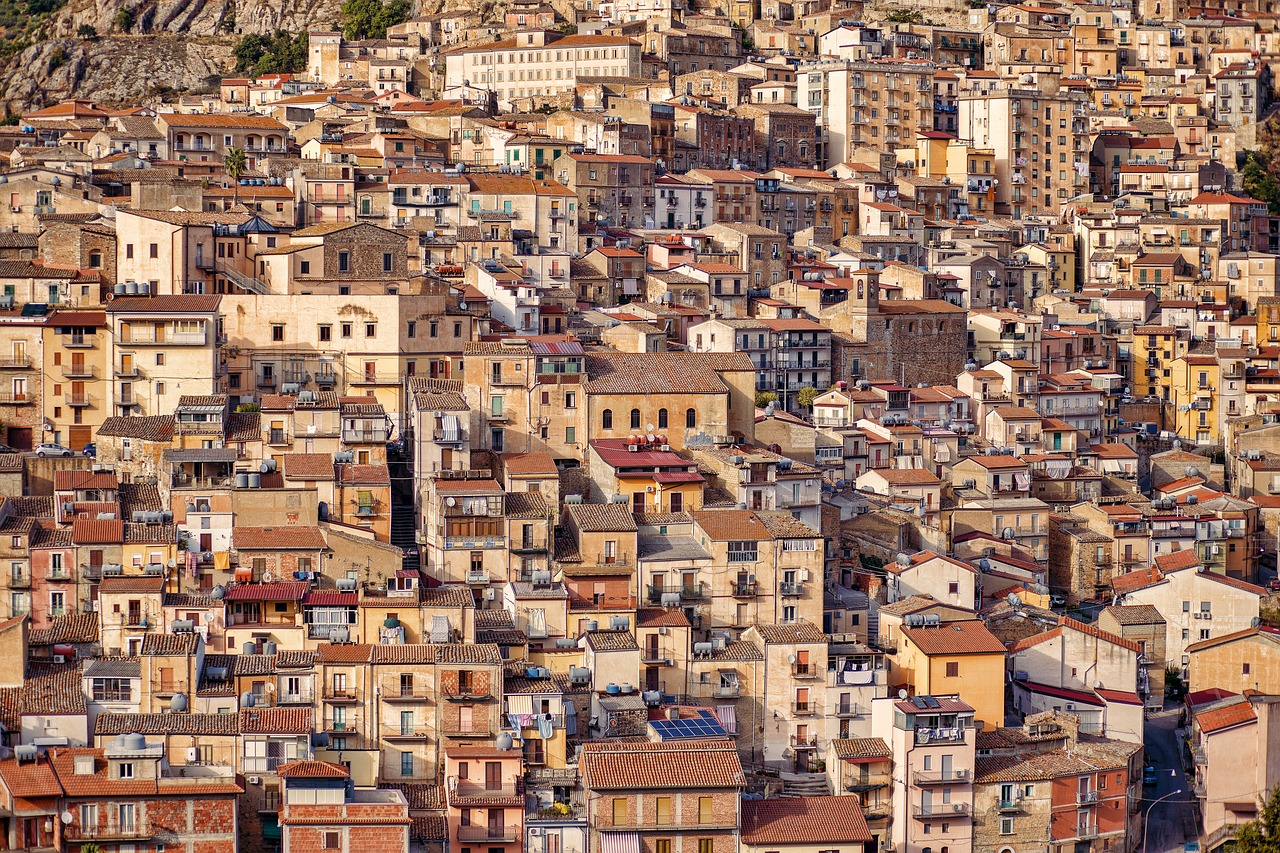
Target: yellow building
(958, 658)
(77, 370)
(1154, 349)
(1245, 660)
(1194, 381)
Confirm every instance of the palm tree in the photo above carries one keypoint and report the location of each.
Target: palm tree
(235, 163)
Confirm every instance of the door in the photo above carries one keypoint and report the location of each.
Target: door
(495, 823)
(80, 436)
(926, 801)
(493, 775)
(21, 438)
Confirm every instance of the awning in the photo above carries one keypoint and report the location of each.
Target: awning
(619, 842)
(201, 454)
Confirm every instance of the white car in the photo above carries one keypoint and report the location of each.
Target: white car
(51, 449)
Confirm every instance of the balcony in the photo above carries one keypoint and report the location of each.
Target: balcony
(805, 672)
(927, 736)
(127, 371)
(15, 363)
(1010, 806)
(375, 435)
(467, 693)
(939, 811)
(118, 832)
(78, 341)
(77, 401)
(1086, 797)
(491, 834)
(476, 728)
(804, 709)
(791, 589)
(853, 677)
(619, 560)
(850, 709)
(339, 695)
(402, 732)
(304, 698)
(406, 694)
(477, 576)
(868, 782)
(939, 777)
(79, 370)
(745, 589)
(494, 215)
(17, 398)
(728, 691)
(1086, 831)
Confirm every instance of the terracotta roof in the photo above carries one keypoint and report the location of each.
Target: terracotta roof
(146, 428)
(1172, 562)
(76, 628)
(1229, 716)
(662, 617)
(669, 765)
(300, 538)
(168, 724)
(312, 769)
(861, 748)
(30, 780)
(97, 531)
(308, 466)
(611, 641)
(132, 585)
(804, 820)
(297, 721)
(732, 525)
(796, 632)
(601, 518)
(278, 591)
(168, 645)
(662, 373)
(529, 463)
(969, 637)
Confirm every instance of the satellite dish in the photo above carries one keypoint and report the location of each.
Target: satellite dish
(902, 693)
(791, 659)
(450, 501)
(648, 428)
(267, 577)
(1097, 684)
(66, 817)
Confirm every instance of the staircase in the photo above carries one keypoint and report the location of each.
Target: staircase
(804, 785)
(242, 281)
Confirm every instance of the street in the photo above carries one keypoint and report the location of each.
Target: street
(1173, 821)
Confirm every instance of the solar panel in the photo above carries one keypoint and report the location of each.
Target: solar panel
(931, 702)
(703, 726)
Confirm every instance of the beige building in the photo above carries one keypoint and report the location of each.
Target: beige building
(161, 348)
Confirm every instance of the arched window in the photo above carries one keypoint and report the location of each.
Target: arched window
(690, 418)
(606, 419)
(635, 419)
(662, 418)
(861, 289)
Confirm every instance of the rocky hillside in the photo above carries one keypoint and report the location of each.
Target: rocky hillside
(167, 45)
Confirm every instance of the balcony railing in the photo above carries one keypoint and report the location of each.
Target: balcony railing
(15, 362)
(745, 589)
(78, 341)
(936, 777)
(128, 831)
(804, 671)
(77, 401)
(1084, 797)
(476, 728)
(791, 589)
(79, 370)
(488, 833)
(403, 732)
(804, 709)
(365, 436)
(935, 811)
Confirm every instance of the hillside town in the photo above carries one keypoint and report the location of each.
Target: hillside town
(652, 427)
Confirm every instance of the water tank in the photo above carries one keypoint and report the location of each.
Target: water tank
(269, 647)
(504, 740)
(592, 625)
(579, 674)
(135, 741)
(219, 593)
(339, 635)
(178, 703)
(612, 689)
(247, 699)
(119, 742)
(131, 288)
(628, 689)
(67, 650)
(242, 480)
(255, 480)
(249, 649)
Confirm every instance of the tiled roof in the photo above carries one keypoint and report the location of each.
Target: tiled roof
(345, 653)
(662, 617)
(601, 518)
(253, 665)
(168, 645)
(529, 463)
(97, 531)
(132, 585)
(1176, 560)
(308, 466)
(295, 659)
(312, 769)
(693, 765)
(797, 632)
(446, 596)
(1135, 614)
(469, 653)
(30, 780)
(113, 668)
(300, 538)
(1235, 714)
(860, 748)
(52, 690)
(527, 505)
(296, 721)
(804, 820)
(612, 641)
(168, 724)
(76, 628)
(732, 525)
(278, 591)
(955, 638)
(783, 525)
(662, 373)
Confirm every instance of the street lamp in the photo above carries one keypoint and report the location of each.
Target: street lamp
(1146, 821)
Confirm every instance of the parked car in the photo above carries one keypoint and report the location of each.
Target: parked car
(90, 450)
(4, 448)
(1057, 601)
(1274, 585)
(1148, 775)
(48, 448)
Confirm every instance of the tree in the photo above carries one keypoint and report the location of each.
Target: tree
(126, 18)
(235, 163)
(277, 53)
(1262, 835)
(1260, 182)
(87, 31)
(764, 398)
(369, 19)
(806, 395)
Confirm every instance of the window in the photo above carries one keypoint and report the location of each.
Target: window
(345, 330)
(706, 845)
(619, 811)
(304, 267)
(635, 419)
(690, 418)
(606, 419)
(154, 250)
(89, 816)
(570, 435)
(662, 418)
(370, 330)
(333, 841)
(326, 332)
(664, 810)
(277, 332)
(344, 262)
(411, 331)
(127, 813)
(406, 761)
(387, 262)
(126, 770)
(704, 809)
(953, 669)
(1006, 826)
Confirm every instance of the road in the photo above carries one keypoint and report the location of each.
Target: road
(1173, 821)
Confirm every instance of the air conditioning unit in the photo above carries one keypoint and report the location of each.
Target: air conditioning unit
(192, 753)
(535, 831)
(662, 632)
(254, 780)
(59, 658)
